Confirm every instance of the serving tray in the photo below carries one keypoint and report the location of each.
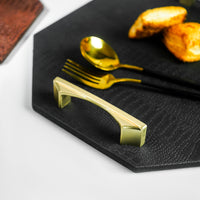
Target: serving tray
(173, 134)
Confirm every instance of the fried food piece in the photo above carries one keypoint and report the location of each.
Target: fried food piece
(155, 20)
(183, 40)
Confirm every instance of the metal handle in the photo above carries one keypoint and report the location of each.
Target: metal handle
(133, 131)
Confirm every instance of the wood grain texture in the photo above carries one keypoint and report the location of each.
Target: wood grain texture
(15, 18)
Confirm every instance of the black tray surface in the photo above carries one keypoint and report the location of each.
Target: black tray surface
(173, 135)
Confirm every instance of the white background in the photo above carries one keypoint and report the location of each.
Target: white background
(41, 161)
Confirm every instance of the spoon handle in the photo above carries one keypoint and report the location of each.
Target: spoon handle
(158, 75)
(131, 67)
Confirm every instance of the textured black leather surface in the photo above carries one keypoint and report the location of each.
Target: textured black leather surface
(173, 135)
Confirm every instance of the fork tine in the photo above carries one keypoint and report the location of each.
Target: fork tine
(81, 69)
(81, 72)
(78, 75)
(78, 78)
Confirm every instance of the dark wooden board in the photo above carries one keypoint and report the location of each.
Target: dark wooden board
(15, 18)
(173, 121)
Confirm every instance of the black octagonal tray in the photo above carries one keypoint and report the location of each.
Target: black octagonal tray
(173, 135)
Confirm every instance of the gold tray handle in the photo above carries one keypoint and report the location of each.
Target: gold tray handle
(133, 131)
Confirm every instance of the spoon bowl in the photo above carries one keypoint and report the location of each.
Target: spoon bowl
(99, 53)
(102, 55)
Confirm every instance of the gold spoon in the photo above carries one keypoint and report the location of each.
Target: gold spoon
(102, 56)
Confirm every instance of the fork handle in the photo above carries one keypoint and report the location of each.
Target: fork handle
(158, 75)
(133, 131)
(170, 90)
(179, 92)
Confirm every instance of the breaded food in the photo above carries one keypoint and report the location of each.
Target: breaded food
(183, 40)
(155, 20)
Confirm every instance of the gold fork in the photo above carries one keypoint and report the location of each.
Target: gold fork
(88, 78)
(105, 81)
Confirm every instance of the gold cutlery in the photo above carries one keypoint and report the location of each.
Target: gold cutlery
(88, 78)
(133, 131)
(102, 56)
(105, 81)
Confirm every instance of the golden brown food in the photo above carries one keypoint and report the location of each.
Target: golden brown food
(155, 20)
(183, 40)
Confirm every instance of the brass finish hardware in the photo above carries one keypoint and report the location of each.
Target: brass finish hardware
(133, 131)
